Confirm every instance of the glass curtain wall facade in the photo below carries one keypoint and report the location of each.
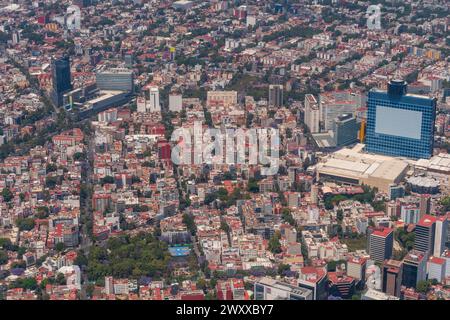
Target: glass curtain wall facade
(399, 124)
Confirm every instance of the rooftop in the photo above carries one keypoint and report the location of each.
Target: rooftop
(382, 232)
(427, 221)
(436, 260)
(353, 163)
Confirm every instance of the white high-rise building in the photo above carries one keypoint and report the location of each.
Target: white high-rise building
(150, 102)
(436, 268)
(356, 267)
(175, 102)
(154, 99)
(446, 256)
(440, 235)
(334, 104)
(312, 113)
(314, 194)
(251, 21)
(16, 37)
(276, 95)
(109, 285)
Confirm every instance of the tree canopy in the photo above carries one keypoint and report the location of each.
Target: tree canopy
(128, 257)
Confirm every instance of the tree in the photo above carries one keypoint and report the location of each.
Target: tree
(184, 203)
(3, 257)
(379, 205)
(201, 284)
(25, 224)
(129, 257)
(331, 266)
(107, 180)
(222, 194)
(252, 186)
(224, 226)
(25, 283)
(42, 212)
(19, 264)
(50, 182)
(78, 156)
(59, 246)
(287, 216)
(406, 239)
(135, 179)
(7, 195)
(188, 220)
(340, 215)
(210, 197)
(90, 289)
(60, 279)
(51, 167)
(423, 286)
(274, 243)
(282, 268)
(288, 133)
(445, 203)
(6, 244)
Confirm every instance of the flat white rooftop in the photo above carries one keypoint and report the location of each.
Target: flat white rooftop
(354, 163)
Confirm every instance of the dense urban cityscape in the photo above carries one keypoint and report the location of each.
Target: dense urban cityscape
(224, 150)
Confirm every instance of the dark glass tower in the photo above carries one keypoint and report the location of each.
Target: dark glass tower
(61, 79)
(400, 124)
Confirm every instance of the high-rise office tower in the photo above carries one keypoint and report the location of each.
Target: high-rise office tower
(440, 235)
(61, 79)
(150, 101)
(128, 58)
(425, 234)
(175, 102)
(399, 124)
(275, 95)
(271, 289)
(396, 191)
(314, 194)
(153, 93)
(120, 79)
(392, 277)
(312, 113)
(424, 204)
(15, 37)
(356, 268)
(341, 285)
(314, 279)
(336, 103)
(414, 268)
(410, 213)
(436, 268)
(446, 256)
(381, 241)
(345, 130)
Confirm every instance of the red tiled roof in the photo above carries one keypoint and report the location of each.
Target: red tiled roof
(382, 232)
(436, 260)
(426, 221)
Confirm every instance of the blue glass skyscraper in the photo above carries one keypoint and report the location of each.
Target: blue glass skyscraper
(400, 124)
(61, 79)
